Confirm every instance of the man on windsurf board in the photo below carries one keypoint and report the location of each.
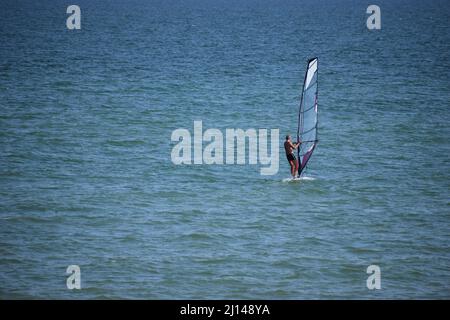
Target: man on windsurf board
(289, 147)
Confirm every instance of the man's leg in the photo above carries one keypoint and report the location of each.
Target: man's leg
(291, 163)
(296, 166)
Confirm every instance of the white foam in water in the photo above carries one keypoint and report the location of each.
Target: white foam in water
(299, 179)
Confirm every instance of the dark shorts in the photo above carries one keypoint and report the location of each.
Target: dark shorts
(291, 157)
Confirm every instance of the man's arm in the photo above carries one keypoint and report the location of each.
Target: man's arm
(294, 146)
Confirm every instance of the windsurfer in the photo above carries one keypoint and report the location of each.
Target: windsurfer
(289, 147)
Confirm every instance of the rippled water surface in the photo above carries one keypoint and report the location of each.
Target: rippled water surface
(86, 176)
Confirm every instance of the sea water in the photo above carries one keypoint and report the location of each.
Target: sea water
(86, 176)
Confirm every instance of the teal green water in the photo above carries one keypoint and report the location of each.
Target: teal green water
(86, 176)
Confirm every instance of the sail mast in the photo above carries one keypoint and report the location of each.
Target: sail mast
(300, 115)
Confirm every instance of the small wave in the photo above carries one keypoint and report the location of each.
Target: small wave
(125, 143)
(299, 179)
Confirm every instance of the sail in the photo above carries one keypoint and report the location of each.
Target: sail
(307, 117)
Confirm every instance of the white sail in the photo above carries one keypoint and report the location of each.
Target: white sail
(308, 115)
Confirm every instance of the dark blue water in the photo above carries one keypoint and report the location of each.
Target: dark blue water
(86, 176)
